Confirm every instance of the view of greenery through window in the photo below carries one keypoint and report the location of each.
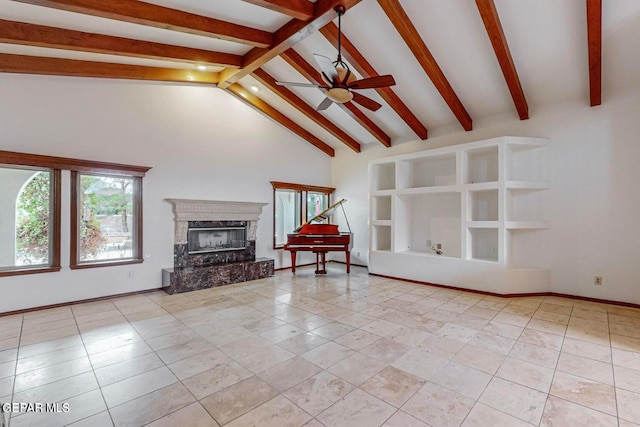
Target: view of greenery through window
(105, 218)
(105, 209)
(32, 221)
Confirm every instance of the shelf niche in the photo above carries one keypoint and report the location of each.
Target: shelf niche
(384, 177)
(381, 238)
(526, 162)
(381, 208)
(483, 205)
(424, 220)
(482, 165)
(428, 172)
(524, 205)
(483, 244)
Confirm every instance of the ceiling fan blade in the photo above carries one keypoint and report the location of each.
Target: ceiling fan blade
(324, 104)
(293, 84)
(373, 82)
(327, 67)
(366, 102)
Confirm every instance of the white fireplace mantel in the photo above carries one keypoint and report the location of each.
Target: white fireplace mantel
(186, 210)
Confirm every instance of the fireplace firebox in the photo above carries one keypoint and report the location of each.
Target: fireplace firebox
(216, 239)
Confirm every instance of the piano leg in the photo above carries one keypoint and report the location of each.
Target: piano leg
(320, 261)
(293, 262)
(348, 258)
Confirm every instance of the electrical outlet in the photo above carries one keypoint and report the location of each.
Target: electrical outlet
(130, 275)
(439, 246)
(358, 253)
(598, 281)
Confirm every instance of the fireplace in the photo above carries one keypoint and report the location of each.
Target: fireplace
(216, 239)
(214, 245)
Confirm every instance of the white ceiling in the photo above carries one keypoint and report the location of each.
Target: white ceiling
(547, 38)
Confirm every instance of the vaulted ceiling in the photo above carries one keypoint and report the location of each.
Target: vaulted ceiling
(454, 61)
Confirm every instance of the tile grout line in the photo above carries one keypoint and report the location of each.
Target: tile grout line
(15, 369)
(92, 370)
(613, 370)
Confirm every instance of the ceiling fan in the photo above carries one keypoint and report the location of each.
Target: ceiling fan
(341, 82)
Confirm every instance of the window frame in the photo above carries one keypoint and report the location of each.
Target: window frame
(137, 250)
(302, 190)
(57, 165)
(27, 161)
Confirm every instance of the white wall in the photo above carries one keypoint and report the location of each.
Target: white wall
(593, 205)
(201, 142)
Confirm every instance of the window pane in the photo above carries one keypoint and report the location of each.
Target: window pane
(316, 203)
(287, 214)
(25, 217)
(106, 218)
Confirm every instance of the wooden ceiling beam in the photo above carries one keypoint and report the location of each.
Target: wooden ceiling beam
(398, 17)
(310, 73)
(285, 37)
(489, 14)
(359, 62)
(266, 79)
(138, 12)
(594, 38)
(299, 9)
(73, 68)
(249, 98)
(59, 38)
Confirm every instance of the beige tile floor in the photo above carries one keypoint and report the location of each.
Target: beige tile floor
(339, 350)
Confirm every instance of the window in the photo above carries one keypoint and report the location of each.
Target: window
(293, 203)
(29, 219)
(106, 213)
(106, 219)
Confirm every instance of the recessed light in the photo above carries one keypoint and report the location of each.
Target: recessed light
(202, 67)
(254, 89)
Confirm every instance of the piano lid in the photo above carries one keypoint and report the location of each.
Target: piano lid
(326, 214)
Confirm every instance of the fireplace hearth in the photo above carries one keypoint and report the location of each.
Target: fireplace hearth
(214, 245)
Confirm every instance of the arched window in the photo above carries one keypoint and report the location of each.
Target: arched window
(32, 223)
(29, 219)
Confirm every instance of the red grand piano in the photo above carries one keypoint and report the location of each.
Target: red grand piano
(320, 239)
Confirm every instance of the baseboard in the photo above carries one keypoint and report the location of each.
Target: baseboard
(529, 294)
(297, 266)
(82, 301)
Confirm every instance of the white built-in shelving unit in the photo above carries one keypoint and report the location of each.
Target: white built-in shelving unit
(482, 202)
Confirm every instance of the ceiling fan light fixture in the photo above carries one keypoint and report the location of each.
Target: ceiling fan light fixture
(340, 81)
(339, 95)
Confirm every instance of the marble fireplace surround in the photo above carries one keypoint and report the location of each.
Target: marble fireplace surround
(193, 272)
